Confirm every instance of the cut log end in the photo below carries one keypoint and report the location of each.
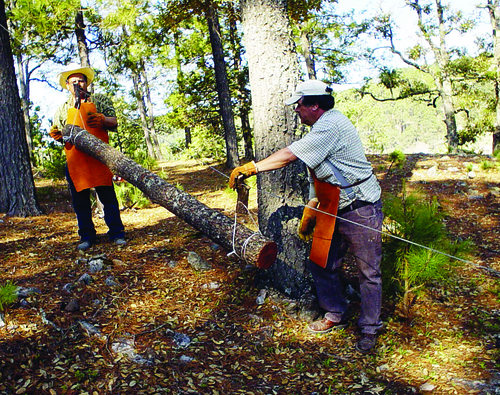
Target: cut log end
(267, 255)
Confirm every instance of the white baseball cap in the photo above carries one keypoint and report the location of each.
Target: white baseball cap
(75, 68)
(309, 88)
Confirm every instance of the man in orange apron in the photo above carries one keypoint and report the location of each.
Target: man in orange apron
(96, 115)
(344, 211)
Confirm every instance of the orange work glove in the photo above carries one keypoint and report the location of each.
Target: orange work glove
(96, 120)
(308, 221)
(55, 133)
(241, 172)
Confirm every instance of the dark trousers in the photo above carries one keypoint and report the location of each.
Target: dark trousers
(366, 246)
(83, 211)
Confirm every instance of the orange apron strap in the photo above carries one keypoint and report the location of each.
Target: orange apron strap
(328, 196)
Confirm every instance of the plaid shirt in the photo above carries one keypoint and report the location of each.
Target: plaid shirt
(102, 103)
(333, 137)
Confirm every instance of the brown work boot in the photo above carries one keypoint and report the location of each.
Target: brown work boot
(325, 325)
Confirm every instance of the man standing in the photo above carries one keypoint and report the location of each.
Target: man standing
(96, 115)
(342, 185)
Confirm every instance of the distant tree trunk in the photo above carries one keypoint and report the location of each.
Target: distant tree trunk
(249, 245)
(243, 96)
(136, 80)
(494, 10)
(187, 136)
(81, 40)
(152, 129)
(17, 187)
(22, 68)
(305, 43)
(274, 74)
(226, 110)
(442, 77)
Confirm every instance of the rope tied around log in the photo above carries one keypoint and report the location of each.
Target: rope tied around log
(247, 240)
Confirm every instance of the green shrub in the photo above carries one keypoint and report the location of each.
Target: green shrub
(397, 158)
(53, 162)
(8, 295)
(130, 196)
(488, 165)
(406, 267)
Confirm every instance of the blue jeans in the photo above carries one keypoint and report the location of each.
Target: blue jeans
(366, 246)
(83, 211)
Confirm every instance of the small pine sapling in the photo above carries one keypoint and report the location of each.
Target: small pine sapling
(8, 295)
(406, 267)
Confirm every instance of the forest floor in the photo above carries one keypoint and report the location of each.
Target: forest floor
(188, 332)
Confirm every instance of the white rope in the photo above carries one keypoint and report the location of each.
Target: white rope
(495, 272)
(247, 240)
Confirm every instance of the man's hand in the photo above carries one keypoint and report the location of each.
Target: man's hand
(308, 221)
(241, 172)
(55, 133)
(96, 120)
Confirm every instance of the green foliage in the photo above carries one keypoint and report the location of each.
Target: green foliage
(488, 165)
(8, 294)
(405, 266)
(206, 145)
(397, 158)
(53, 161)
(130, 196)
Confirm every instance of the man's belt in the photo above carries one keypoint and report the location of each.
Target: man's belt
(354, 206)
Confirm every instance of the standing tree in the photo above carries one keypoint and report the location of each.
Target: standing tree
(435, 23)
(39, 31)
(17, 187)
(226, 109)
(494, 11)
(274, 74)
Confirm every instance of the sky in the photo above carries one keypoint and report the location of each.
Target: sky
(48, 99)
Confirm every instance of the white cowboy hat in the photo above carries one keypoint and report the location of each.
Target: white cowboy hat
(75, 68)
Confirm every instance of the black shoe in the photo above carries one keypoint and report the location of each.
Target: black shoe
(84, 245)
(366, 343)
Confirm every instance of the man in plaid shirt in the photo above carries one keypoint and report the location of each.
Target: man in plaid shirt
(343, 186)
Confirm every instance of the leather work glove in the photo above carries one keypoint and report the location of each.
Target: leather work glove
(308, 221)
(95, 120)
(55, 133)
(241, 172)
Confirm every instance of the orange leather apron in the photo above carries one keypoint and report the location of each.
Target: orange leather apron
(328, 196)
(85, 171)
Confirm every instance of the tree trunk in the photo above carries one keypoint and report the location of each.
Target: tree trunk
(274, 73)
(81, 40)
(494, 10)
(248, 245)
(222, 84)
(187, 136)
(17, 187)
(136, 80)
(24, 88)
(306, 52)
(152, 129)
(243, 95)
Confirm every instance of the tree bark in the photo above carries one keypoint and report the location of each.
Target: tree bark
(248, 245)
(152, 127)
(136, 80)
(306, 52)
(274, 74)
(226, 110)
(17, 187)
(494, 10)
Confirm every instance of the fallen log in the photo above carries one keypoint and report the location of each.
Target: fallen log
(247, 244)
